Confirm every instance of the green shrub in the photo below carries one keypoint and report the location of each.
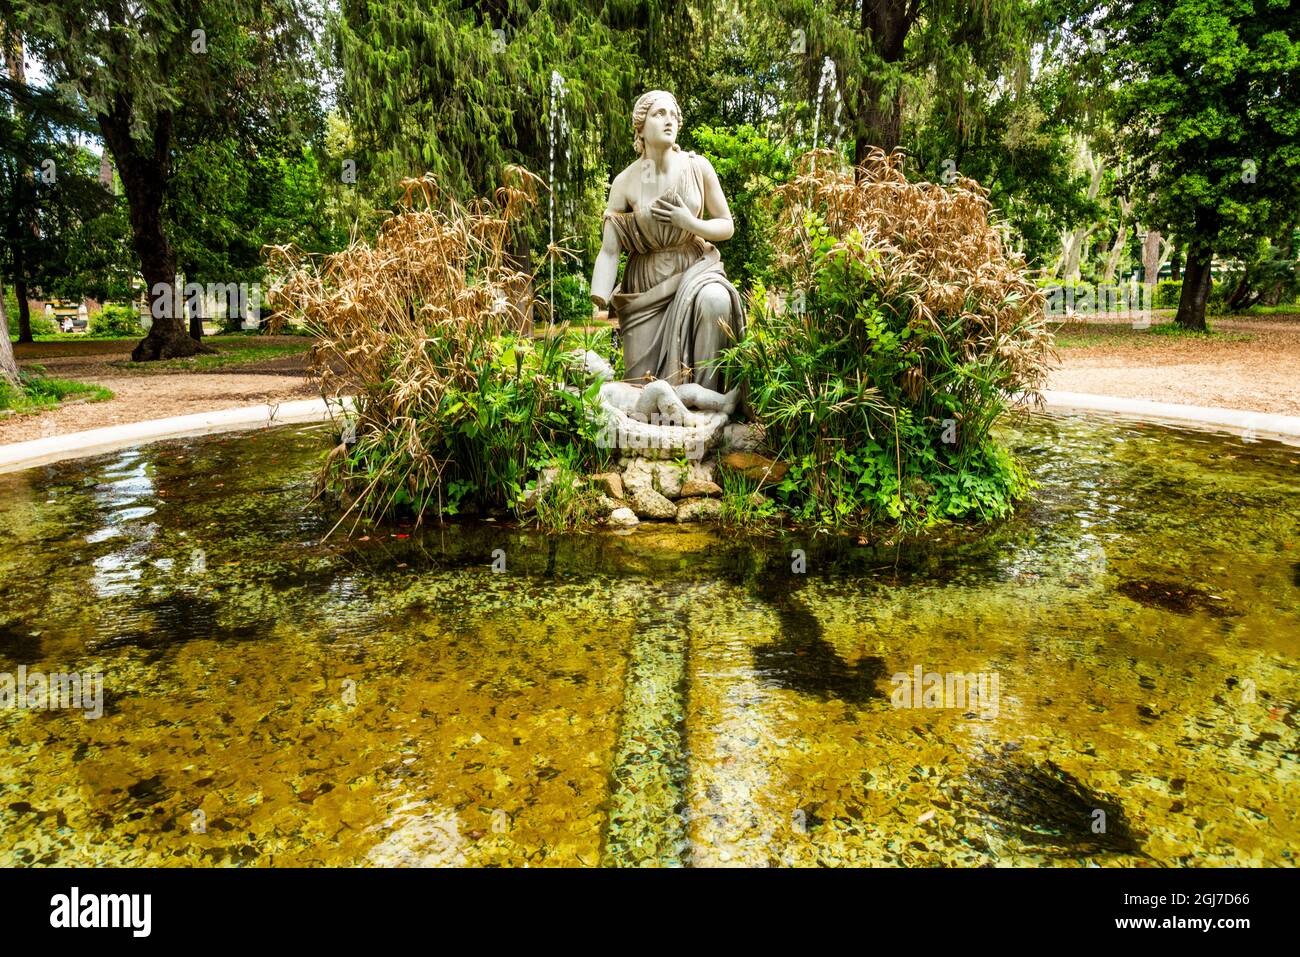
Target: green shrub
(750, 166)
(115, 319)
(1168, 292)
(572, 298)
(41, 326)
(878, 378)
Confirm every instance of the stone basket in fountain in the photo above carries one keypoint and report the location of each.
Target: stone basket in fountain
(658, 420)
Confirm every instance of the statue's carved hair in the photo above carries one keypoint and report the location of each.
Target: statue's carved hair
(642, 109)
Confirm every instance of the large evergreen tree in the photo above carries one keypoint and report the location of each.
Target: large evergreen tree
(1208, 101)
(883, 50)
(461, 89)
(142, 69)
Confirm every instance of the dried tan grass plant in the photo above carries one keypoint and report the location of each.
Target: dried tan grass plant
(428, 328)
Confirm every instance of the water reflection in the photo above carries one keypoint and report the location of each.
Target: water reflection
(125, 494)
(674, 696)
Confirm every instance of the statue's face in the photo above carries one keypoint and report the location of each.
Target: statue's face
(662, 124)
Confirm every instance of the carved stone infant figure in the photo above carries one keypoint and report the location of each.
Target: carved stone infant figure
(675, 405)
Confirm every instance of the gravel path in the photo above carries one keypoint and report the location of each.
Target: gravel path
(152, 394)
(1254, 366)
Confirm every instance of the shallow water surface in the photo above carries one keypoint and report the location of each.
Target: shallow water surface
(673, 695)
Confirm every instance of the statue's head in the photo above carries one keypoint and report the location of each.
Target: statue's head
(656, 118)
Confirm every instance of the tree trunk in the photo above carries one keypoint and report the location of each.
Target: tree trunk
(24, 307)
(1113, 257)
(1155, 249)
(1121, 237)
(143, 171)
(195, 311)
(1072, 241)
(1196, 290)
(8, 366)
(1072, 255)
(12, 44)
(1176, 265)
(1240, 295)
(884, 27)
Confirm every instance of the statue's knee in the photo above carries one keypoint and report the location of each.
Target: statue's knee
(714, 301)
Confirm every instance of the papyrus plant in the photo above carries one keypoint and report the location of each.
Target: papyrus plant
(902, 331)
(429, 328)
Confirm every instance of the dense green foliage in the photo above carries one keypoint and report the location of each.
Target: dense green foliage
(882, 368)
(749, 166)
(157, 79)
(569, 298)
(493, 438)
(456, 405)
(1208, 104)
(827, 383)
(116, 319)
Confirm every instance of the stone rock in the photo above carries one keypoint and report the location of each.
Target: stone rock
(705, 471)
(668, 479)
(647, 503)
(609, 506)
(611, 483)
(742, 437)
(699, 509)
(694, 488)
(624, 518)
(756, 467)
(638, 472)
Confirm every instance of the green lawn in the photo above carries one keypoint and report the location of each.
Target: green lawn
(1286, 309)
(41, 392)
(1081, 336)
(232, 351)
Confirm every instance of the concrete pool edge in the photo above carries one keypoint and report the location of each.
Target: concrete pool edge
(1249, 425)
(17, 456)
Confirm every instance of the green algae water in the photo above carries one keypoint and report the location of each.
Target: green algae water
(486, 695)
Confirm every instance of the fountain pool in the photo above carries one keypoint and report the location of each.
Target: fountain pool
(675, 696)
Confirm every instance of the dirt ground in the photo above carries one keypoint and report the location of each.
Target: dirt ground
(153, 394)
(1250, 363)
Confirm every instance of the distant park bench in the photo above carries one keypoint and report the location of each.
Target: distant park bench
(58, 312)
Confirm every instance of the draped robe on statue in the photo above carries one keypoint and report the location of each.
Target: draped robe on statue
(658, 302)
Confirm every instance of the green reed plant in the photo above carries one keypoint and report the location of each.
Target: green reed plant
(901, 334)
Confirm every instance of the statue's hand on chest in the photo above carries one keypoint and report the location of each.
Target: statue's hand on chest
(671, 210)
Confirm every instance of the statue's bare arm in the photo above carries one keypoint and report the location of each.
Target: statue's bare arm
(605, 274)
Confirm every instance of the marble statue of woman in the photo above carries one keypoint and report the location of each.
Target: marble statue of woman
(675, 308)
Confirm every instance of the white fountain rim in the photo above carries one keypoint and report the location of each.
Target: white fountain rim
(34, 452)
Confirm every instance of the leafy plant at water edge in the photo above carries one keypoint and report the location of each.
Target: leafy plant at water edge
(901, 334)
(458, 405)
